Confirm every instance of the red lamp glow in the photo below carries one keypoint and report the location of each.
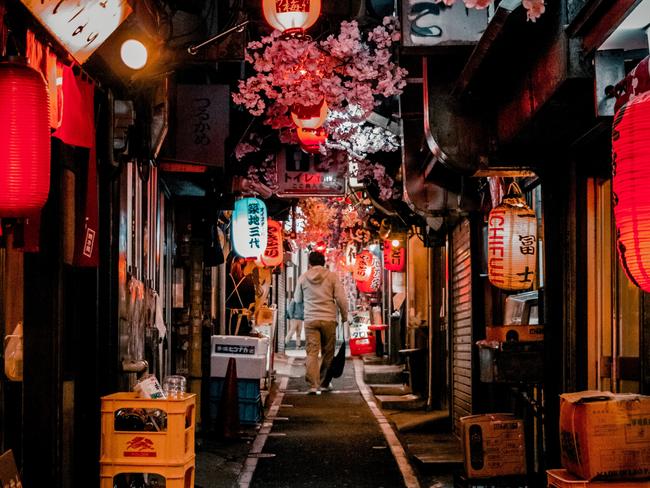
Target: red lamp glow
(274, 253)
(372, 284)
(309, 117)
(24, 140)
(291, 16)
(631, 176)
(311, 139)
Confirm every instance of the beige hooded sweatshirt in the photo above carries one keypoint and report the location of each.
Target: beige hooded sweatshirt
(320, 291)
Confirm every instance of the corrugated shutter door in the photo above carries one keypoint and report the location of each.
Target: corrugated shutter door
(461, 319)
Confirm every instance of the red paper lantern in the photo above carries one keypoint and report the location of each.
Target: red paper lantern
(274, 253)
(311, 139)
(631, 177)
(24, 140)
(512, 243)
(309, 117)
(363, 266)
(394, 255)
(291, 16)
(374, 282)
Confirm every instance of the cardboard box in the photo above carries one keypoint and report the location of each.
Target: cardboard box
(561, 478)
(605, 436)
(493, 445)
(508, 333)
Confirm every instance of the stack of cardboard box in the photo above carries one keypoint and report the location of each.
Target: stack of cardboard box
(605, 441)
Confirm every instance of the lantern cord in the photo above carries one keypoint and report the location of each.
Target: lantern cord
(194, 49)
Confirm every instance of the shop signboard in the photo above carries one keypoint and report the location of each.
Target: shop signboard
(249, 228)
(427, 23)
(304, 174)
(81, 26)
(201, 128)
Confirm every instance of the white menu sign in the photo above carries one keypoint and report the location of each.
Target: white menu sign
(81, 26)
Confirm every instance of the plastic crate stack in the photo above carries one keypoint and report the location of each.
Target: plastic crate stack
(249, 395)
(168, 453)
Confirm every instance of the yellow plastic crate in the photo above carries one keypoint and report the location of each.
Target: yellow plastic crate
(176, 476)
(175, 446)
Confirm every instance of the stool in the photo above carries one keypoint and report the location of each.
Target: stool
(379, 330)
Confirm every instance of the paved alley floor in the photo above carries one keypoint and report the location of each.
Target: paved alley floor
(327, 440)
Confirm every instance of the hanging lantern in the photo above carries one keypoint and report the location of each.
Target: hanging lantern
(249, 232)
(24, 140)
(374, 283)
(512, 243)
(291, 17)
(274, 253)
(309, 117)
(631, 177)
(394, 255)
(311, 139)
(363, 266)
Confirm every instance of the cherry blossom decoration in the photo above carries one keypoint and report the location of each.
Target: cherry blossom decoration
(534, 8)
(350, 74)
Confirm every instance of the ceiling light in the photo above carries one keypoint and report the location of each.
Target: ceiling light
(134, 54)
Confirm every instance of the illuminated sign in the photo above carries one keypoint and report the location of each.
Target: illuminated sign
(302, 174)
(81, 26)
(249, 231)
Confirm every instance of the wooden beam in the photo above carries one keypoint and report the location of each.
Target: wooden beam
(484, 46)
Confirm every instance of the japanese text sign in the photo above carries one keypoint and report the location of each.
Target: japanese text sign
(81, 26)
(249, 231)
(394, 256)
(274, 253)
(303, 174)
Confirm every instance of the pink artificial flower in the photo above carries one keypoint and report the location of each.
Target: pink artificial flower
(534, 9)
(477, 4)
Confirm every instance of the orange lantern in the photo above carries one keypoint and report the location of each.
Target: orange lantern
(631, 176)
(309, 117)
(363, 266)
(291, 16)
(394, 255)
(274, 253)
(24, 140)
(512, 243)
(311, 139)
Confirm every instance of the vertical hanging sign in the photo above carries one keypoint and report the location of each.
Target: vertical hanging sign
(394, 255)
(249, 232)
(80, 26)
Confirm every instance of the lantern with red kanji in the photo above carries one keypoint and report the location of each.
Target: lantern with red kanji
(274, 253)
(512, 243)
(310, 116)
(291, 16)
(394, 255)
(24, 140)
(631, 177)
(363, 266)
(372, 284)
(311, 139)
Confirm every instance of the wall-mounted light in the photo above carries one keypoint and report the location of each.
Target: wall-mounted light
(134, 54)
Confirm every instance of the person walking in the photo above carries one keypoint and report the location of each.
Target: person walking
(295, 316)
(320, 292)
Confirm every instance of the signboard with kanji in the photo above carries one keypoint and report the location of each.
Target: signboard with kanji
(81, 26)
(304, 174)
(249, 228)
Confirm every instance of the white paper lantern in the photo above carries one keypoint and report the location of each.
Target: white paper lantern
(512, 243)
(249, 230)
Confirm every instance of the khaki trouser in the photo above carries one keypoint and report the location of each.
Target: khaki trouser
(321, 337)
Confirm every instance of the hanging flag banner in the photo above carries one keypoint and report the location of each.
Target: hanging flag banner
(274, 252)
(350, 256)
(80, 26)
(249, 232)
